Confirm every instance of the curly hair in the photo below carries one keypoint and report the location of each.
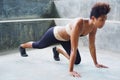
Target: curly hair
(100, 8)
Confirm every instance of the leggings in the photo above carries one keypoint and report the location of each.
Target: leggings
(49, 39)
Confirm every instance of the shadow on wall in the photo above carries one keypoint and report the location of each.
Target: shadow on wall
(12, 34)
(27, 9)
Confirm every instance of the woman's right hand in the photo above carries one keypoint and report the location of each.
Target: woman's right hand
(74, 74)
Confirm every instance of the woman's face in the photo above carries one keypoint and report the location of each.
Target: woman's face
(100, 21)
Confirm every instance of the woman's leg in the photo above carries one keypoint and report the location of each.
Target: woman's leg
(64, 53)
(22, 48)
(27, 45)
(57, 51)
(67, 46)
(46, 40)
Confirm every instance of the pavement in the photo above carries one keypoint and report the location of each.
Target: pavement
(40, 65)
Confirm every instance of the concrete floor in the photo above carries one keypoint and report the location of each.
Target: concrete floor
(41, 66)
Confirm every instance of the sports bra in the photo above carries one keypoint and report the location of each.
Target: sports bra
(68, 30)
(56, 34)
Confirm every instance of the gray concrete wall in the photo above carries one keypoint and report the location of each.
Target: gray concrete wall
(82, 8)
(24, 9)
(108, 38)
(14, 33)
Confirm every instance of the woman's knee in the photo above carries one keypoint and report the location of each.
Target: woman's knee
(27, 45)
(78, 58)
(78, 61)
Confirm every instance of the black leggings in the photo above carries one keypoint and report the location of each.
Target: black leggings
(48, 39)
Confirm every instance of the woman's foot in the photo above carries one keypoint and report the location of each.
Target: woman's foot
(56, 54)
(23, 52)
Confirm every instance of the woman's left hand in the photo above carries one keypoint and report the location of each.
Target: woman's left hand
(100, 66)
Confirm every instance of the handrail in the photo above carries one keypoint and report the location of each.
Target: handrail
(45, 19)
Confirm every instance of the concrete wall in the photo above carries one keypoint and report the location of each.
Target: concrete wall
(108, 38)
(14, 33)
(24, 9)
(82, 8)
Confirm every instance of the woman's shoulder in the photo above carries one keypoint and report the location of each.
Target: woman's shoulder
(78, 20)
(82, 19)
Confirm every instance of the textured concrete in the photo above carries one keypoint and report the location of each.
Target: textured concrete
(12, 34)
(82, 8)
(108, 38)
(24, 9)
(41, 66)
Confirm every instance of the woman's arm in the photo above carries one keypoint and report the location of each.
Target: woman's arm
(74, 37)
(93, 49)
(92, 45)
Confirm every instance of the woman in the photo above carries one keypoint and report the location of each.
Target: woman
(68, 37)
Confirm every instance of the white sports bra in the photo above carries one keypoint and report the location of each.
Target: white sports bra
(67, 28)
(56, 34)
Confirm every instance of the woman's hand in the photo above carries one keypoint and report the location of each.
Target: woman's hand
(74, 74)
(100, 66)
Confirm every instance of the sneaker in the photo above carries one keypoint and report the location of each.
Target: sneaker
(23, 52)
(56, 54)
